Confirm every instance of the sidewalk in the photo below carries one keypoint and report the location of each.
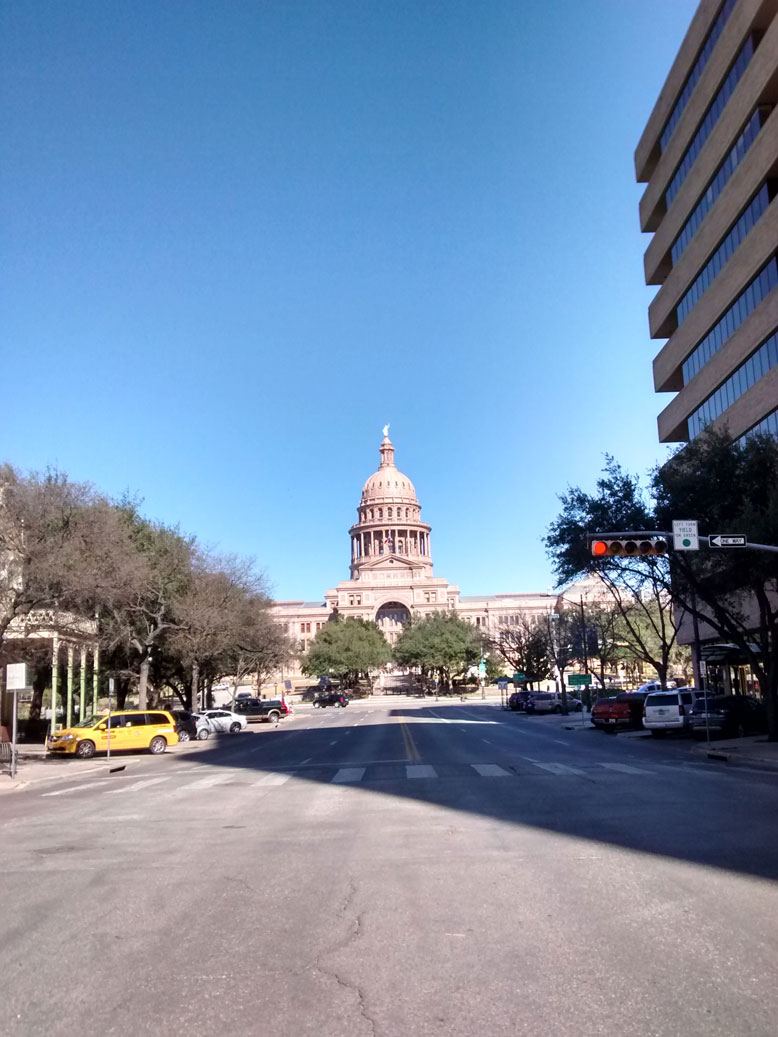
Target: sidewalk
(34, 765)
(751, 750)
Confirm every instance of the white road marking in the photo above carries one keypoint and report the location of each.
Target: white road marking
(335, 742)
(77, 788)
(557, 768)
(349, 774)
(136, 785)
(486, 741)
(420, 770)
(272, 779)
(490, 770)
(624, 768)
(308, 760)
(210, 781)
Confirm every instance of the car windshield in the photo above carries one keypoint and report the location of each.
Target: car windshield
(663, 699)
(89, 722)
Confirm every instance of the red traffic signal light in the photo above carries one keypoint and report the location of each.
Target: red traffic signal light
(628, 548)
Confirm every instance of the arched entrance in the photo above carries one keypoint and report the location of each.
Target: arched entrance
(391, 617)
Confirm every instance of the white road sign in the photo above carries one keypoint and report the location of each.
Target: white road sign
(685, 537)
(16, 676)
(728, 540)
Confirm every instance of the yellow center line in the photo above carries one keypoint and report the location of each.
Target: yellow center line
(410, 745)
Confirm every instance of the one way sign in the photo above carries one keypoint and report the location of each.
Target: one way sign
(727, 540)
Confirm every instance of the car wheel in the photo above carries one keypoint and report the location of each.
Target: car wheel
(202, 734)
(274, 715)
(157, 745)
(557, 709)
(740, 731)
(85, 750)
(234, 727)
(184, 736)
(317, 705)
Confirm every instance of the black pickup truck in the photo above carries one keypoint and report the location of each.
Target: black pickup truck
(255, 710)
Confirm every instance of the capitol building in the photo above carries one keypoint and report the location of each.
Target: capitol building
(391, 574)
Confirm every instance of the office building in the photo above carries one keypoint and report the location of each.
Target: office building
(709, 159)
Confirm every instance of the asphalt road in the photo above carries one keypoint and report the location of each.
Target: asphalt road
(412, 869)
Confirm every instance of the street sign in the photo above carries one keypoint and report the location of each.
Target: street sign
(727, 540)
(685, 537)
(502, 683)
(519, 676)
(16, 677)
(577, 680)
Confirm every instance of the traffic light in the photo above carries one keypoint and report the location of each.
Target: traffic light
(628, 548)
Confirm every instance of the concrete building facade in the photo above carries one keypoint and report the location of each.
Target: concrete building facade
(391, 571)
(709, 159)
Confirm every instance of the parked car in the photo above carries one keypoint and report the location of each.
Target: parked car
(331, 698)
(656, 686)
(669, 710)
(225, 720)
(188, 724)
(154, 730)
(551, 702)
(518, 700)
(624, 710)
(255, 710)
(731, 716)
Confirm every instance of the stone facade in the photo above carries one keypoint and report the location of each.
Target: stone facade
(391, 571)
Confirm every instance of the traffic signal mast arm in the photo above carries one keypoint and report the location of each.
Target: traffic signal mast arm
(649, 536)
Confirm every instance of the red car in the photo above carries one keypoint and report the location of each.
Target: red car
(624, 710)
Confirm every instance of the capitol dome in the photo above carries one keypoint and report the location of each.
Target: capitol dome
(389, 529)
(388, 483)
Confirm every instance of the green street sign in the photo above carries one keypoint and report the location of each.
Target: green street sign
(576, 680)
(519, 677)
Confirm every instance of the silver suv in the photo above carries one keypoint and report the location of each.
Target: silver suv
(669, 710)
(550, 702)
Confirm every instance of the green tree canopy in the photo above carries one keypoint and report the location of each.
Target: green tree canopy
(441, 643)
(347, 649)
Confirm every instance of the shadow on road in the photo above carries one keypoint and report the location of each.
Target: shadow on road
(715, 820)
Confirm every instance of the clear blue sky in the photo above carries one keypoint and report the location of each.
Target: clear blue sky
(240, 237)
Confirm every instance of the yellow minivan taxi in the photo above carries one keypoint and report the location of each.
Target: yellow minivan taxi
(149, 729)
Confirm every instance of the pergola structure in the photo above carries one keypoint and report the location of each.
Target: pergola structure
(73, 640)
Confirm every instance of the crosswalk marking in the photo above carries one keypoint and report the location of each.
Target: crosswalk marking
(420, 770)
(136, 785)
(349, 774)
(624, 768)
(210, 781)
(558, 768)
(272, 779)
(490, 770)
(76, 788)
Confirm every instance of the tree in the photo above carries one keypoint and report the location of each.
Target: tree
(726, 486)
(560, 631)
(729, 487)
(638, 587)
(524, 647)
(442, 643)
(62, 547)
(348, 649)
(163, 574)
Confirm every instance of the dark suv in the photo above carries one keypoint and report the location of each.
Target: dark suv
(518, 700)
(261, 709)
(330, 698)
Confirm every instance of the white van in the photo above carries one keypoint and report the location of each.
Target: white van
(669, 710)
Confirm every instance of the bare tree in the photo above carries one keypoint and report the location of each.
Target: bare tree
(525, 647)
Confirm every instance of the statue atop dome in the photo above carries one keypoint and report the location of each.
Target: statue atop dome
(386, 431)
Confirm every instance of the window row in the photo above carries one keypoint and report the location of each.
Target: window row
(762, 285)
(711, 118)
(738, 233)
(696, 72)
(720, 180)
(748, 374)
(767, 426)
(370, 514)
